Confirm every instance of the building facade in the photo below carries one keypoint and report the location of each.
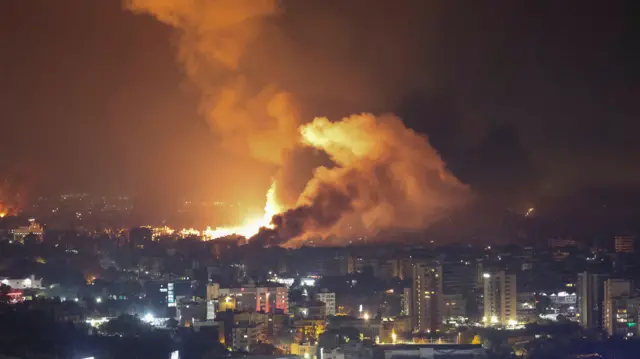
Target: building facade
(329, 299)
(427, 298)
(258, 298)
(500, 299)
(624, 244)
(22, 283)
(590, 297)
(246, 335)
(619, 307)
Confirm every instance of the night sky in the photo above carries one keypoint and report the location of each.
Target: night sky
(523, 99)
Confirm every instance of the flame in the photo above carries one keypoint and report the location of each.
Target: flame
(251, 226)
(188, 232)
(4, 209)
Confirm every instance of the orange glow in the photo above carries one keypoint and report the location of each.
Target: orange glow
(189, 232)
(4, 209)
(162, 231)
(251, 226)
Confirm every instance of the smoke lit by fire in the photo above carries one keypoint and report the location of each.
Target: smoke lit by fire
(251, 226)
(9, 199)
(383, 176)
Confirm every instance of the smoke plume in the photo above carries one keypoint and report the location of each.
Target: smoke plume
(385, 176)
(213, 37)
(381, 174)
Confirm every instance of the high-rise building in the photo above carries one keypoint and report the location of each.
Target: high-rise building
(171, 296)
(590, 296)
(329, 300)
(211, 309)
(624, 244)
(388, 269)
(426, 309)
(213, 293)
(620, 308)
(406, 301)
(500, 299)
(459, 277)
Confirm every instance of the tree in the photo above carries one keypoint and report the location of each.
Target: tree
(172, 323)
(125, 325)
(542, 302)
(476, 340)
(4, 290)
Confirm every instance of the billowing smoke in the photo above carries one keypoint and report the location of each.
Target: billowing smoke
(213, 36)
(385, 176)
(382, 175)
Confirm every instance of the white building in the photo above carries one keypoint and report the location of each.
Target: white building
(500, 299)
(211, 309)
(22, 283)
(427, 300)
(329, 300)
(244, 336)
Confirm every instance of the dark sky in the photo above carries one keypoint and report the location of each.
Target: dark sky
(522, 98)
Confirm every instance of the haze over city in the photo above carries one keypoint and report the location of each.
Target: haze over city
(162, 102)
(366, 135)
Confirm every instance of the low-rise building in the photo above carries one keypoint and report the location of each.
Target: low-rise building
(22, 283)
(304, 350)
(33, 228)
(454, 308)
(329, 299)
(429, 351)
(246, 335)
(265, 298)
